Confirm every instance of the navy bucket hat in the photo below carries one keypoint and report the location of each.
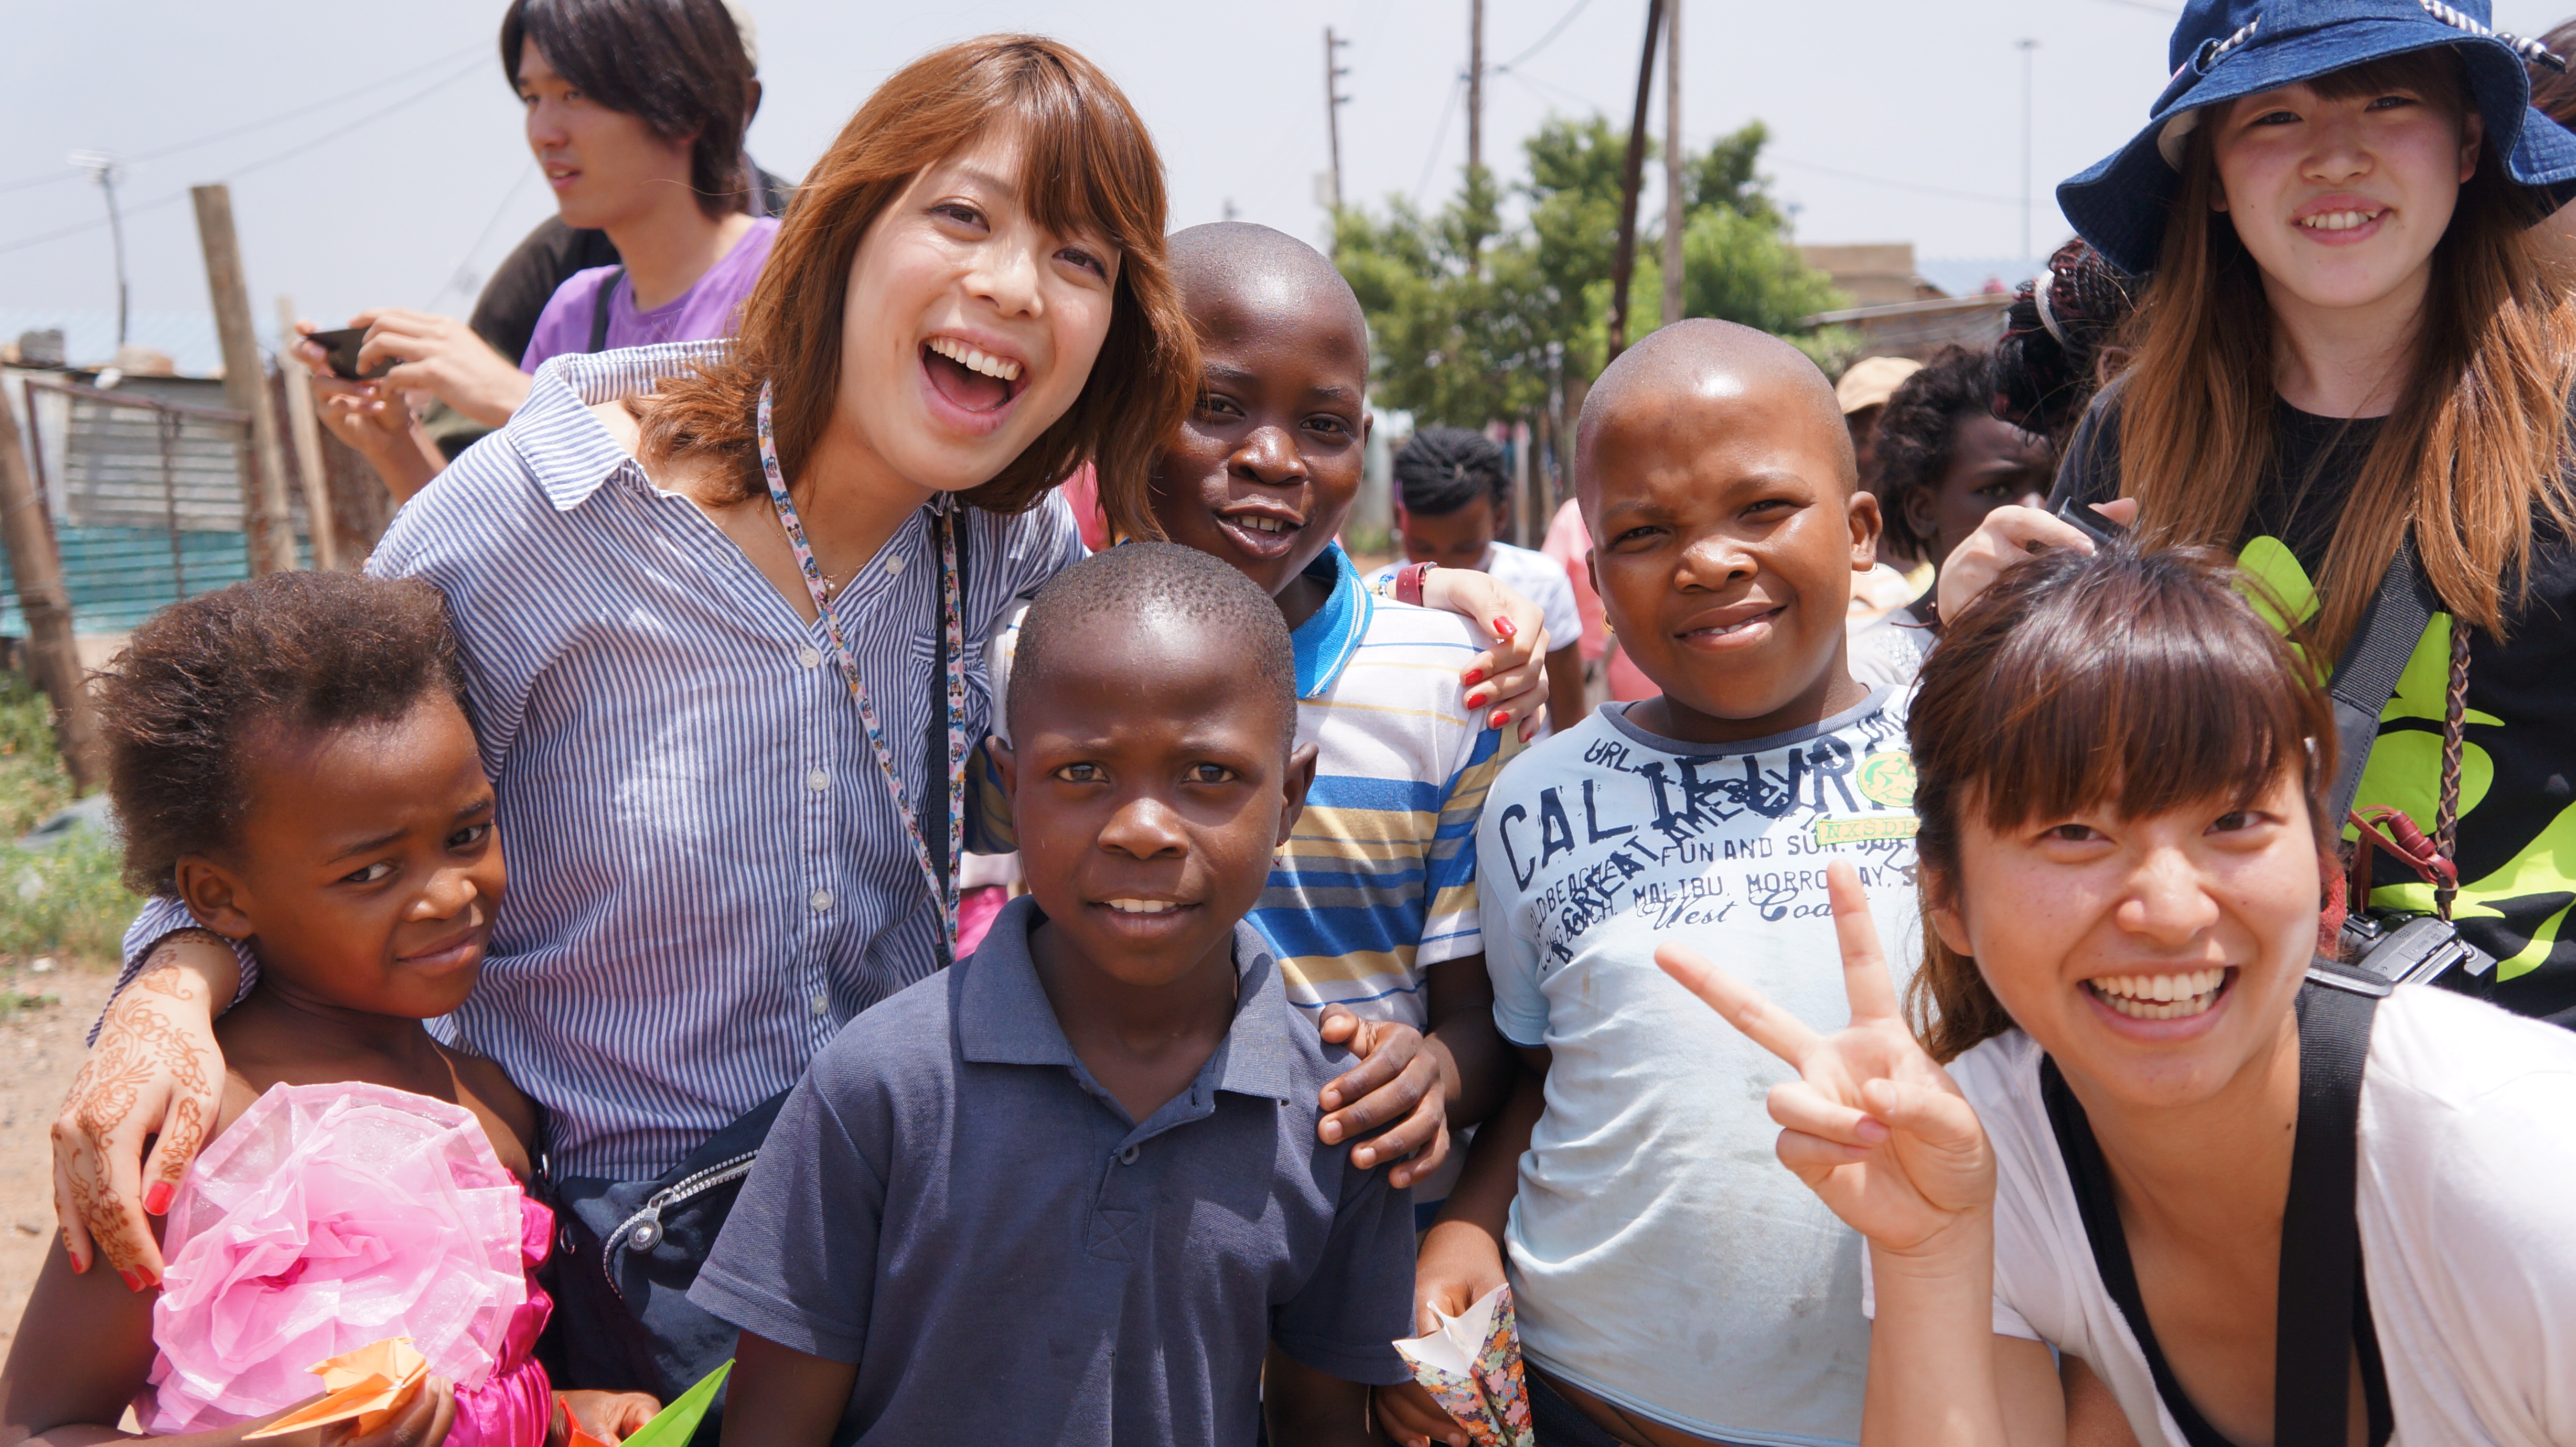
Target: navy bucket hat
(2224, 49)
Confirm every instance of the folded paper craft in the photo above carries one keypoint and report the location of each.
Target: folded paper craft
(368, 1385)
(326, 1219)
(1471, 1366)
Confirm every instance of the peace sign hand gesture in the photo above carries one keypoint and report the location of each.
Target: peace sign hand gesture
(1872, 1125)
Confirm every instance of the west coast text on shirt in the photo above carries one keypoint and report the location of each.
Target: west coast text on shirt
(1660, 1256)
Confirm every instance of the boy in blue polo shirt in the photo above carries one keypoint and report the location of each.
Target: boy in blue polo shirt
(1372, 902)
(1070, 1189)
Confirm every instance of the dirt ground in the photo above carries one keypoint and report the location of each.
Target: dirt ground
(40, 1052)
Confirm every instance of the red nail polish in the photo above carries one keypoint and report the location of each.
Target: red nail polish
(1503, 629)
(157, 1199)
(1475, 700)
(133, 1280)
(1499, 719)
(1474, 676)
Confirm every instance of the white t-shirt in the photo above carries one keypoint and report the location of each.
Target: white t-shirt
(1888, 649)
(2467, 1205)
(1660, 1256)
(1534, 576)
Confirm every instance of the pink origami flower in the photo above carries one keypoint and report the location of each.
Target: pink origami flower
(329, 1217)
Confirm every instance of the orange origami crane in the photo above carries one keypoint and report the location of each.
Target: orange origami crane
(370, 1384)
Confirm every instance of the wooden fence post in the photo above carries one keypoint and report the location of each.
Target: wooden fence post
(306, 425)
(38, 571)
(266, 517)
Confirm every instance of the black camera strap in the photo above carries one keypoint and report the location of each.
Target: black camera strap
(599, 311)
(2365, 678)
(2324, 1308)
(2322, 1317)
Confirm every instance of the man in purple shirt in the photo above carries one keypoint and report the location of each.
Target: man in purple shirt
(600, 309)
(639, 130)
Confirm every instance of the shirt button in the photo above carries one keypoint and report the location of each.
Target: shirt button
(818, 781)
(809, 656)
(822, 899)
(894, 565)
(822, 1003)
(1128, 1156)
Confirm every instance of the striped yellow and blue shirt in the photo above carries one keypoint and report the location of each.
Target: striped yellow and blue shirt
(1378, 883)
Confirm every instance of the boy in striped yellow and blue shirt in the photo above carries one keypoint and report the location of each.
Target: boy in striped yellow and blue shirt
(1372, 903)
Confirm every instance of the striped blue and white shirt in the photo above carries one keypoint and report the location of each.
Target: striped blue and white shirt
(707, 874)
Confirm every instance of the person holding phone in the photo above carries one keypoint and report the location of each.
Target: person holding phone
(636, 111)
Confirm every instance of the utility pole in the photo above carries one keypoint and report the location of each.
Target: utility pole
(1624, 261)
(2026, 47)
(105, 170)
(38, 571)
(1334, 100)
(1475, 83)
(1676, 197)
(265, 515)
(306, 425)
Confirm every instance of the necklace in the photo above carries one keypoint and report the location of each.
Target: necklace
(942, 882)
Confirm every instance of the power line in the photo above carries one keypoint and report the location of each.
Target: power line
(1535, 84)
(1899, 185)
(75, 230)
(303, 110)
(261, 164)
(482, 236)
(1438, 137)
(1553, 31)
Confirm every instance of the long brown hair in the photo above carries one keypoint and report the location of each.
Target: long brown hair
(2137, 682)
(2477, 442)
(1089, 165)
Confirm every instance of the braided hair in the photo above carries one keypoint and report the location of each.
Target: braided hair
(1443, 469)
(2047, 367)
(2553, 91)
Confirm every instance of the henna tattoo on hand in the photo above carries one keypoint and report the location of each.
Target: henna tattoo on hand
(142, 1043)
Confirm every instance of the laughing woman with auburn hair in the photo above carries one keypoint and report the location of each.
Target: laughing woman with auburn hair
(2353, 340)
(722, 610)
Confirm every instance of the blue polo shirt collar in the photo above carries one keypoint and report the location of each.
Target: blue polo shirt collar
(1324, 643)
(1003, 1017)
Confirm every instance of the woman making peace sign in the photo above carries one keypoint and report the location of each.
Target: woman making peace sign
(2119, 766)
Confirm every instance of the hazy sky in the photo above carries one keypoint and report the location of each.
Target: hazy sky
(1892, 119)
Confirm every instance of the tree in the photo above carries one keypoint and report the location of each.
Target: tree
(1474, 320)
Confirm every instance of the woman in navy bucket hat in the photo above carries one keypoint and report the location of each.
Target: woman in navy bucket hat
(2350, 335)
(2231, 49)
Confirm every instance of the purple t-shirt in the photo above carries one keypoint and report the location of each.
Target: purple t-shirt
(704, 312)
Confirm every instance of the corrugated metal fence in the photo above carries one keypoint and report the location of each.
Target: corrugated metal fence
(146, 497)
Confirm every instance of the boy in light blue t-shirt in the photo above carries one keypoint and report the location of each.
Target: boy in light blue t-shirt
(1673, 1283)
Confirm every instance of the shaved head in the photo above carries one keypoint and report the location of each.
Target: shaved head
(1695, 369)
(1240, 262)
